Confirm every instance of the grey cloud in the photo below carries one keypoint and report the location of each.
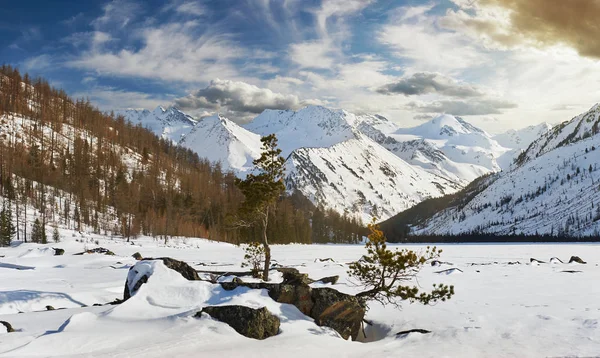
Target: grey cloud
(426, 83)
(239, 100)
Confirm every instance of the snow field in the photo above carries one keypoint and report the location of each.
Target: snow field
(500, 309)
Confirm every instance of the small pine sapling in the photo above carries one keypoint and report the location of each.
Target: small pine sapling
(254, 257)
(55, 235)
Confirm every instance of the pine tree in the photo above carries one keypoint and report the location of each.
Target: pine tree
(382, 272)
(261, 192)
(38, 233)
(7, 229)
(55, 235)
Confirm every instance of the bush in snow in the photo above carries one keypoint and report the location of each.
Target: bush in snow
(254, 257)
(382, 272)
(55, 235)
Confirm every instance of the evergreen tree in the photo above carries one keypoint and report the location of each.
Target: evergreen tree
(382, 272)
(7, 229)
(38, 233)
(261, 192)
(55, 235)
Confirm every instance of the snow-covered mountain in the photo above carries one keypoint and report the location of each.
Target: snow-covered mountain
(220, 140)
(518, 140)
(521, 138)
(446, 146)
(169, 123)
(361, 164)
(554, 188)
(334, 164)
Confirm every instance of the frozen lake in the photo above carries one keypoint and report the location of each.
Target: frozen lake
(504, 306)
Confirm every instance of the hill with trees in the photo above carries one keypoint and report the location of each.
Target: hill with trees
(64, 162)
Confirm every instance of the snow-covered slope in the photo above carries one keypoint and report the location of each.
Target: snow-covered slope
(169, 123)
(554, 189)
(220, 140)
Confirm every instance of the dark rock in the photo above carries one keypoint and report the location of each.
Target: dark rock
(440, 263)
(556, 260)
(97, 250)
(331, 279)
(338, 310)
(571, 271)
(577, 259)
(345, 317)
(532, 260)
(138, 284)
(297, 295)
(324, 260)
(97, 304)
(9, 328)
(183, 268)
(49, 308)
(137, 256)
(58, 252)
(293, 277)
(416, 330)
(328, 307)
(249, 322)
(237, 280)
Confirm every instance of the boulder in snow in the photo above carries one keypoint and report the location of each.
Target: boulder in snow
(249, 322)
(58, 251)
(141, 272)
(8, 327)
(576, 259)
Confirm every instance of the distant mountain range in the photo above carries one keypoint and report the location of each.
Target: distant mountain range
(362, 165)
(553, 188)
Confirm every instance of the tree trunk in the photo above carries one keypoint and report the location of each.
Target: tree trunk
(267, 248)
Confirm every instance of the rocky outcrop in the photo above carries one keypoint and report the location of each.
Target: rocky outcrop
(58, 251)
(328, 307)
(249, 322)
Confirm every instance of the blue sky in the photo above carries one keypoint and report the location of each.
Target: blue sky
(406, 59)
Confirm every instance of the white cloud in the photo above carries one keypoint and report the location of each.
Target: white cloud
(111, 98)
(170, 52)
(313, 54)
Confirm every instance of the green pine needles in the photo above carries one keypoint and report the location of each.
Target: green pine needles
(382, 272)
(261, 192)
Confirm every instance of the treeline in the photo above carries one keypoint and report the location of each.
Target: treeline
(82, 168)
(490, 238)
